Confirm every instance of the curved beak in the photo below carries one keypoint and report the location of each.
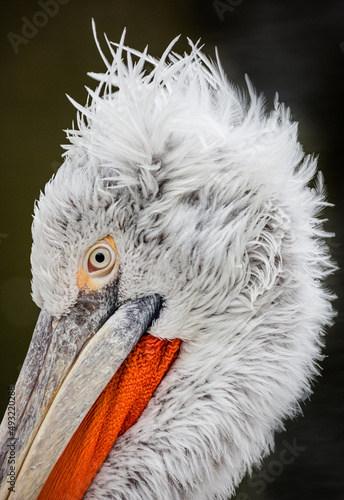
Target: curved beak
(69, 363)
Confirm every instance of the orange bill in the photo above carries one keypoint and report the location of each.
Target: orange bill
(117, 408)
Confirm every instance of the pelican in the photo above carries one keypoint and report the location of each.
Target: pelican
(178, 258)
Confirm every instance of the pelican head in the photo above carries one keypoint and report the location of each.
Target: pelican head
(177, 260)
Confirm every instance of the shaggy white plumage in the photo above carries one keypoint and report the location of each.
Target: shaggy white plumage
(206, 197)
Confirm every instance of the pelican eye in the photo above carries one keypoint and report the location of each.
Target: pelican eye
(99, 264)
(100, 258)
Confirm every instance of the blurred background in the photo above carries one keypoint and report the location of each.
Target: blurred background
(295, 48)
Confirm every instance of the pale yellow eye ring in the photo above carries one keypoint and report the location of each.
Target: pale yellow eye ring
(98, 265)
(100, 258)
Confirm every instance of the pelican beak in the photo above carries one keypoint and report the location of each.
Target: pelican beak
(69, 365)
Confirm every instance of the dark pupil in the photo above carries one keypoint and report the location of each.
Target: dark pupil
(100, 257)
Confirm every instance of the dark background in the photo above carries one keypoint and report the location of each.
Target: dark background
(290, 47)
